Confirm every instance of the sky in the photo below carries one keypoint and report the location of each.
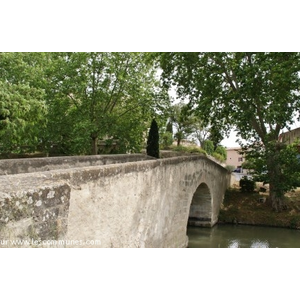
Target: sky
(231, 140)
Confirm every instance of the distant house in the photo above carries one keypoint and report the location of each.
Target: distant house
(290, 136)
(234, 158)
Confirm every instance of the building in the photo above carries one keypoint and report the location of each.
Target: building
(234, 158)
(290, 137)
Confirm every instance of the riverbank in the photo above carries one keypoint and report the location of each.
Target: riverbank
(254, 209)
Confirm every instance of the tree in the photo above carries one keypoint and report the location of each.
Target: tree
(69, 101)
(216, 136)
(256, 92)
(182, 120)
(288, 159)
(200, 132)
(22, 104)
(169, 127)
(153, 140)
(104, 95)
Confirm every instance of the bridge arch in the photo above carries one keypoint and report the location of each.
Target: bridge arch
(200, 213)
(91, 199)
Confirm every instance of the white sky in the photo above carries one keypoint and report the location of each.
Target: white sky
(231, 140)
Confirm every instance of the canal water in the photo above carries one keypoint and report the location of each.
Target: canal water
(242, 236)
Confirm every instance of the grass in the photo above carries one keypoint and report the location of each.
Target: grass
(246, 208)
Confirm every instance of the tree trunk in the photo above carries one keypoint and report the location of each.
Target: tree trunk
(275, 197)
(94, 145)
(275, 175)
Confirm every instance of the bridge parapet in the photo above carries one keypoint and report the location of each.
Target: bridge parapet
(43, 164)
(143, 203)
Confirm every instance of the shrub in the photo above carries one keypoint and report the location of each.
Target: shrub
(196, 150)
(218, 156)
(208, 146)
(188, 149)
(179, 148)
(295, 222)
(247, 185)
(167, 139)
(222, 151)
(230, 168)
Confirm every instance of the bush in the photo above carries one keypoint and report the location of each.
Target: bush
(188, 149)
(295, 222)
(166, 139)
(179, 148)
(222, 151)
(230, 168)
(196, 150)
(208, 146)
(247, 185)
(218, 156)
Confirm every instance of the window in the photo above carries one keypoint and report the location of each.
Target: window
(240, 159)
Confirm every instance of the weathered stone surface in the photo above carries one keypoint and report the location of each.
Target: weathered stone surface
(41, 164)
(131, 204)
(35, 212)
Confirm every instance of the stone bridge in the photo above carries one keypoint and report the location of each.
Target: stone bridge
(108, 201)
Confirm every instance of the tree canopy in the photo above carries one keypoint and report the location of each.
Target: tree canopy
(70, 101)
(22, 104)
(256, 92)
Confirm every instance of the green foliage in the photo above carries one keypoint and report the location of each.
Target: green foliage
(195, 149)
(247, 185)
(199, 131)
(230, 168)
(182, 120)
(166, 139)
(169, 127)
(153, 140)
(221, 151)
(22, 105)
(179, 148)
(208, 146)
(249, 164)
(258, 93)
(295, 222)
(216, 136)
(111, 93)
(218, 156)
(189, 149)
(285, 166)
(64, 103)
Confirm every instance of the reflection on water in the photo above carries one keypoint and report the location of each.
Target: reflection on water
(242, 236)
(254, 244)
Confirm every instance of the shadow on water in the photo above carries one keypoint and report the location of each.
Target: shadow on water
(242, 236)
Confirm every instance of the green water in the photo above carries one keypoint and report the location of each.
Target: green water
(242, 236)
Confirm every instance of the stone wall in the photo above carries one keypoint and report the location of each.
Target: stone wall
(31, 165)
(130, 204)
